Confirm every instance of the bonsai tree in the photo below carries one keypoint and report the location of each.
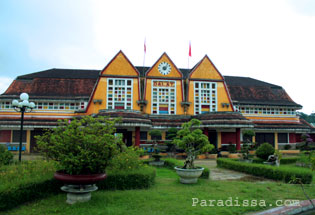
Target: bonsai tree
(155, 135)
(248, 136)
(232, 148)
(193, 141)
(81, 146)
(245, 151)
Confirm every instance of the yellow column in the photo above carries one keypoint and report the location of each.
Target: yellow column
(133, 138)
(163, 135)
(219, 140)
(11, 139)
(149, 136)
(28, 141)
(276, 140)
(254, 139)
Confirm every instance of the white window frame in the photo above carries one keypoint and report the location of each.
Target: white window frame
(199, 97)
(125, 86)
(169, 99)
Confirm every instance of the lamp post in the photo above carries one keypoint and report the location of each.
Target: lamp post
(23, 106)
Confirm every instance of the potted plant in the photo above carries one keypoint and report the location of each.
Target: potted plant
(193, 142)
(83, 148)
(245, 153)
(155, 135)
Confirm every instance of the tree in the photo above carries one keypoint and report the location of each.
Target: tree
(193, 141)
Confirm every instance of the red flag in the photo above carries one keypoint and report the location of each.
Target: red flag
(189, 49)
(145, 46)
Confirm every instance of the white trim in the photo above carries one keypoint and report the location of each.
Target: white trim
(169, 103)
(125, 86)
(210, 96)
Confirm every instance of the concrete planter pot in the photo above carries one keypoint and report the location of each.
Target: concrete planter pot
(234, 155)
(144, 157)
(201, 156)
(79, 187)
(225, 154)
(189, 176)
(252, 152)
(212, 156)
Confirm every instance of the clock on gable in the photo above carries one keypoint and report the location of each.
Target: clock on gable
(164, 68)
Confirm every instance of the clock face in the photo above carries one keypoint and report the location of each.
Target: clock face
(164, 68)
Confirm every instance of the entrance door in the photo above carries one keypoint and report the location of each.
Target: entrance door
(127, 136)
(213, 138)
(34, 133)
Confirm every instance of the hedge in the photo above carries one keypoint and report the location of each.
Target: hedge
(123, 180)
(286, 160)
(285, 174)
(170, 163)
(35, 180)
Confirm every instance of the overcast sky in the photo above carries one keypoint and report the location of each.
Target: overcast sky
(269, 40)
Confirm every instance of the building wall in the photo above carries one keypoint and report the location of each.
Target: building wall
(228, 137)
(5, 136)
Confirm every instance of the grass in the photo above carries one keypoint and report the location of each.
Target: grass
(168, 196)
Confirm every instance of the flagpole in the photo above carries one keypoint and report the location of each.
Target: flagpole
(144, 51)
(189, 52)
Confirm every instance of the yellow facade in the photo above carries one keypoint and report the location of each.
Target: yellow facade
(119, 67)
(203, 72)
(206, 70)
(154, 72)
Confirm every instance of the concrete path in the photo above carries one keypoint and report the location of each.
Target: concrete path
(225, 174)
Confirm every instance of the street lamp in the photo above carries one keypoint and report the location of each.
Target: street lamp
(23, 106)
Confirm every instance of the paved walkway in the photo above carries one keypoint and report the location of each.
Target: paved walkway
(225, 174)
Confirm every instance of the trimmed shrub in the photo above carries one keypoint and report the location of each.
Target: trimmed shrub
(26, 181)
(126, 160)
(289, 160)
(286, 160)
(231, 148)
(6, 157)
(287, 147)
(285, 174)
(264, 151)
(124, 180)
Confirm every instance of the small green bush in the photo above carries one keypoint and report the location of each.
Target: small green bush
(264, 151)
(127, 160)
(287, 147)
(231, 148)
(6, 157)
(285, 174)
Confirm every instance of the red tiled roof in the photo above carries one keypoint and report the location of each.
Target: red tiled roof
(48, 87)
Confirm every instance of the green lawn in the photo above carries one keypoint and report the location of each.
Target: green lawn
(168, 196)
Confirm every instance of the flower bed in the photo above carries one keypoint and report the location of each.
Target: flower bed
(285, 174)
